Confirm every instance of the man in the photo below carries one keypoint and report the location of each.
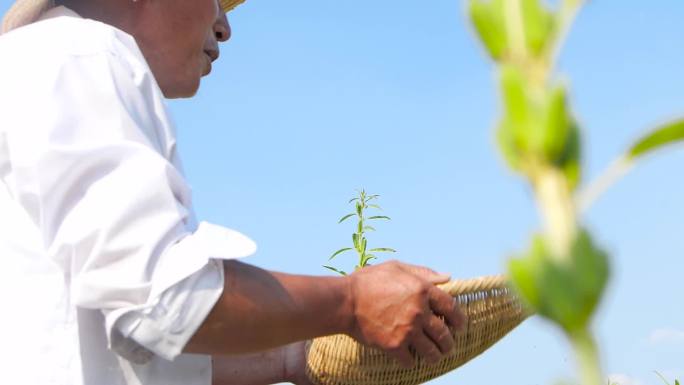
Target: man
(107, 279)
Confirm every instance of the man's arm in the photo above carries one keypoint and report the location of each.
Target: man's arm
(284, 364)
(391, 306)
(261, 310)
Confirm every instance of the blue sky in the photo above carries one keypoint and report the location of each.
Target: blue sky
(312, 100)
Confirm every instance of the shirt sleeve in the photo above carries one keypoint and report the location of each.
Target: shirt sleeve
(96, 177)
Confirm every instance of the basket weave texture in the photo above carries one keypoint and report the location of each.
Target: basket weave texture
(491, 309)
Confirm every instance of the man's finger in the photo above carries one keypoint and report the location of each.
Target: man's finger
(403, 355)
(426, 273)
(444, 305)
(426, 348)
(439, 334)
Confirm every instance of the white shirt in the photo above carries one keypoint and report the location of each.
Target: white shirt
(104, 274)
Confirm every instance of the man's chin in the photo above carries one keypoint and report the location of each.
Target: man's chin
(207, 69)
(181, 91)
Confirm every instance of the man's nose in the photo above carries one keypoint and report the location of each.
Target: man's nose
(222, 28)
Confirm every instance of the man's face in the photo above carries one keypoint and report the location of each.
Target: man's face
(179, 39)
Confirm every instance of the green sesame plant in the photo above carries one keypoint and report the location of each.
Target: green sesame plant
(362, 203)
(563, 274)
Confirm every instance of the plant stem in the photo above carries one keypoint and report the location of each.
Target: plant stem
(587, 355)
(516, 29)
(558, 210)
(362, 200)
(612, 174)
(566, 17)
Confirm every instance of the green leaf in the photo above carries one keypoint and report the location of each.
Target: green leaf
(359, 209)
(539, 25)
(335, 270)
(359, 227)
(366, 258)
(380, 217)
(525, 271)
(557, 124)
(513, 133)
(488, 19)
(368, 228)
(344, 218)
(662, 136)
(363, 245)
(338, 252)
(523, 114)
(565, 291)
(375, 207)
(355, 239)
(353, 199)
(676, 382)
(570, 161)
(537, 126)
(382, 250)
(562, 140)
(504, 138)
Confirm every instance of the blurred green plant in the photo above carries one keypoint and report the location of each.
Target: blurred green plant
(563, 274)
(676, 382)
(362, 203)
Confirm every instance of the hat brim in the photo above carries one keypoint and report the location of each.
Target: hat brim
(229, 5)
(24, 12)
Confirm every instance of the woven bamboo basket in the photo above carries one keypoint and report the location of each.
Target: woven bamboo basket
(491, 309)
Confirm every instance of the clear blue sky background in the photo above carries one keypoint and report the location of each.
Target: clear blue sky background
(312, 100)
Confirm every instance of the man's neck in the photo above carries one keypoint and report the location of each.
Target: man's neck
(119, 14)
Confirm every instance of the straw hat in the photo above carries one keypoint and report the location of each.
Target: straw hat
(25, 12)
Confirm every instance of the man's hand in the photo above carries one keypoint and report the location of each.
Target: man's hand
(392, 306)
(397, 306)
